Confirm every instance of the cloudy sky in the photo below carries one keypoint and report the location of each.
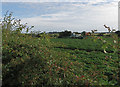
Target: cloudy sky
(59, 15)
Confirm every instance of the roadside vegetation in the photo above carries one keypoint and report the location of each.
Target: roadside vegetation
(50, 61)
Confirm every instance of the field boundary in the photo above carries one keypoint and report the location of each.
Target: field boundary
(88, 50)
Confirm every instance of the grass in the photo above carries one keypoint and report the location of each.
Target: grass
(92, 57)
(82, 44)
(59, 61)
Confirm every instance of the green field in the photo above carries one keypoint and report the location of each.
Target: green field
(87, 44)
(90, 53)
(57, 61)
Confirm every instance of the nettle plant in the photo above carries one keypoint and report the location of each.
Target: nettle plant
(107, 44)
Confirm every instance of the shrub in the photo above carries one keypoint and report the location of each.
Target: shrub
(64, 34)
(118, 33)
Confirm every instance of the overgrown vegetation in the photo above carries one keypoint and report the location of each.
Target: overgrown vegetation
(28, 60)
(65, 34)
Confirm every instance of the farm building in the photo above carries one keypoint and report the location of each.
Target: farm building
(74, 35)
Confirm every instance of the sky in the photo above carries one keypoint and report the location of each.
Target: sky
(60, 15)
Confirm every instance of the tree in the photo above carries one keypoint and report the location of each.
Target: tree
(65, 34)
(83, 33)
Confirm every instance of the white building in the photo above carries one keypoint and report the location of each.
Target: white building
(75, 35)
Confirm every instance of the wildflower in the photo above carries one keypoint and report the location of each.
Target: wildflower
(98, 37)
(71, 63)
(77, 76)
(82, 76)
(57, 69)
(104, 41)
(59, 78)
(115, 41)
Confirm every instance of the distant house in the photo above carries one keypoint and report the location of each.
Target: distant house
(74, 35)
(87, 33)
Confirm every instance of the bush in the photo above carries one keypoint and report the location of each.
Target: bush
(83, 33)
(31, 61)
(118, 33)
(65, 34)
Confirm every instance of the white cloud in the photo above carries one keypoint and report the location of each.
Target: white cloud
(91, 18)
(75, 16)
(91, 1)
